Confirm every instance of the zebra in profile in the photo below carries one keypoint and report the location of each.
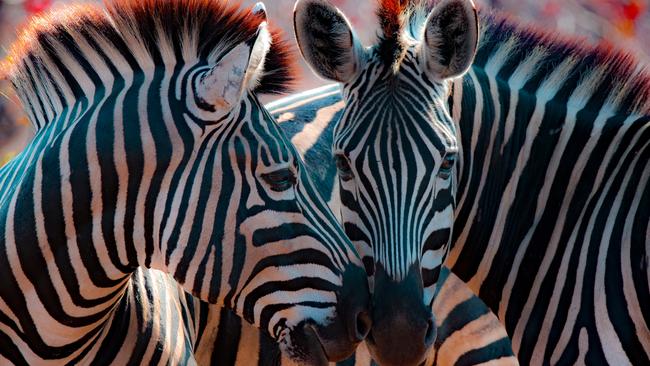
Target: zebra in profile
(152, 151)
(551, 227)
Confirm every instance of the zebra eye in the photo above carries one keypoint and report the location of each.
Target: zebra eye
(280, 180)
(343, 166)
(447, 166)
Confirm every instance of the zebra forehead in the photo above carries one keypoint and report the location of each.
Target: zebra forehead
(399, 117)
(167, 31)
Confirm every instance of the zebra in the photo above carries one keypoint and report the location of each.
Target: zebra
(551, 227)
(157, 185)
(395, 148)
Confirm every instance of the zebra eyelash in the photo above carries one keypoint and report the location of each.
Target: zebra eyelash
(281, 180)
(447, 166)
(343, 167)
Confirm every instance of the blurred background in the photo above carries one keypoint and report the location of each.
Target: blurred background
(623, 23)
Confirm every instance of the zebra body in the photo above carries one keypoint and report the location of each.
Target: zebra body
(552, 223)
(152, 151)
(556, 196)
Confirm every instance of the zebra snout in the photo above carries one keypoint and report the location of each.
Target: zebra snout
(351, 324)
(355, 304)
(402, 340)
(403, 328)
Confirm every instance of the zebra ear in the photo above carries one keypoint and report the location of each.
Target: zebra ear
(222, 86)
(450, 39)
(326, 40)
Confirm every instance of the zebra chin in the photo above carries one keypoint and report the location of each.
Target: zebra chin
(307, 345)
(303, 347)
(311, 343)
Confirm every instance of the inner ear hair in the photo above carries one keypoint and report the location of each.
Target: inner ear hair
(326, 40)
(222, 86)
(450, 38)
(260, 46)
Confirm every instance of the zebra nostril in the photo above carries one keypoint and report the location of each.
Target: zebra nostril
(363, 326)
(430, 334)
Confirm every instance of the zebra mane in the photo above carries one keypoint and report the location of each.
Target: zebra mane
(149, 32)
(615, 78)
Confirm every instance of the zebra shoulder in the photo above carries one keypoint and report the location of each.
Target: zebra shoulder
(468, 331)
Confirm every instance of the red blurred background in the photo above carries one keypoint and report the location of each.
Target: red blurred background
(623, 23)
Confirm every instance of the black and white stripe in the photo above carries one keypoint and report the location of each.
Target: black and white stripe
(152, 151)
(554, 194)
(553, 205)
(468, 334)
(395, 146)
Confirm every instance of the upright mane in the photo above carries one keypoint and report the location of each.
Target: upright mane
(616, 77)
(161, 32)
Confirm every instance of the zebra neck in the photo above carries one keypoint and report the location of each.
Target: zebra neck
(537, 146)
(68, 235)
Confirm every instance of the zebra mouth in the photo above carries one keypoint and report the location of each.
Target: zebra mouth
(314, 331)
(317, 352)
(304, 346)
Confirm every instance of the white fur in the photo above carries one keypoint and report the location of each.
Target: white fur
(224, 84)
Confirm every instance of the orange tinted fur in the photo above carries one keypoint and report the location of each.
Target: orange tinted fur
(231, 23)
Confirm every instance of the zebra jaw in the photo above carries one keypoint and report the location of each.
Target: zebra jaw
(315, 353)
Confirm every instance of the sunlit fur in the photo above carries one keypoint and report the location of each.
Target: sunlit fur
(551, 227)
(125, 173)
(177, 33)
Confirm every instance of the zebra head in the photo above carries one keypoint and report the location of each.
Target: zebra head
(395, 147)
